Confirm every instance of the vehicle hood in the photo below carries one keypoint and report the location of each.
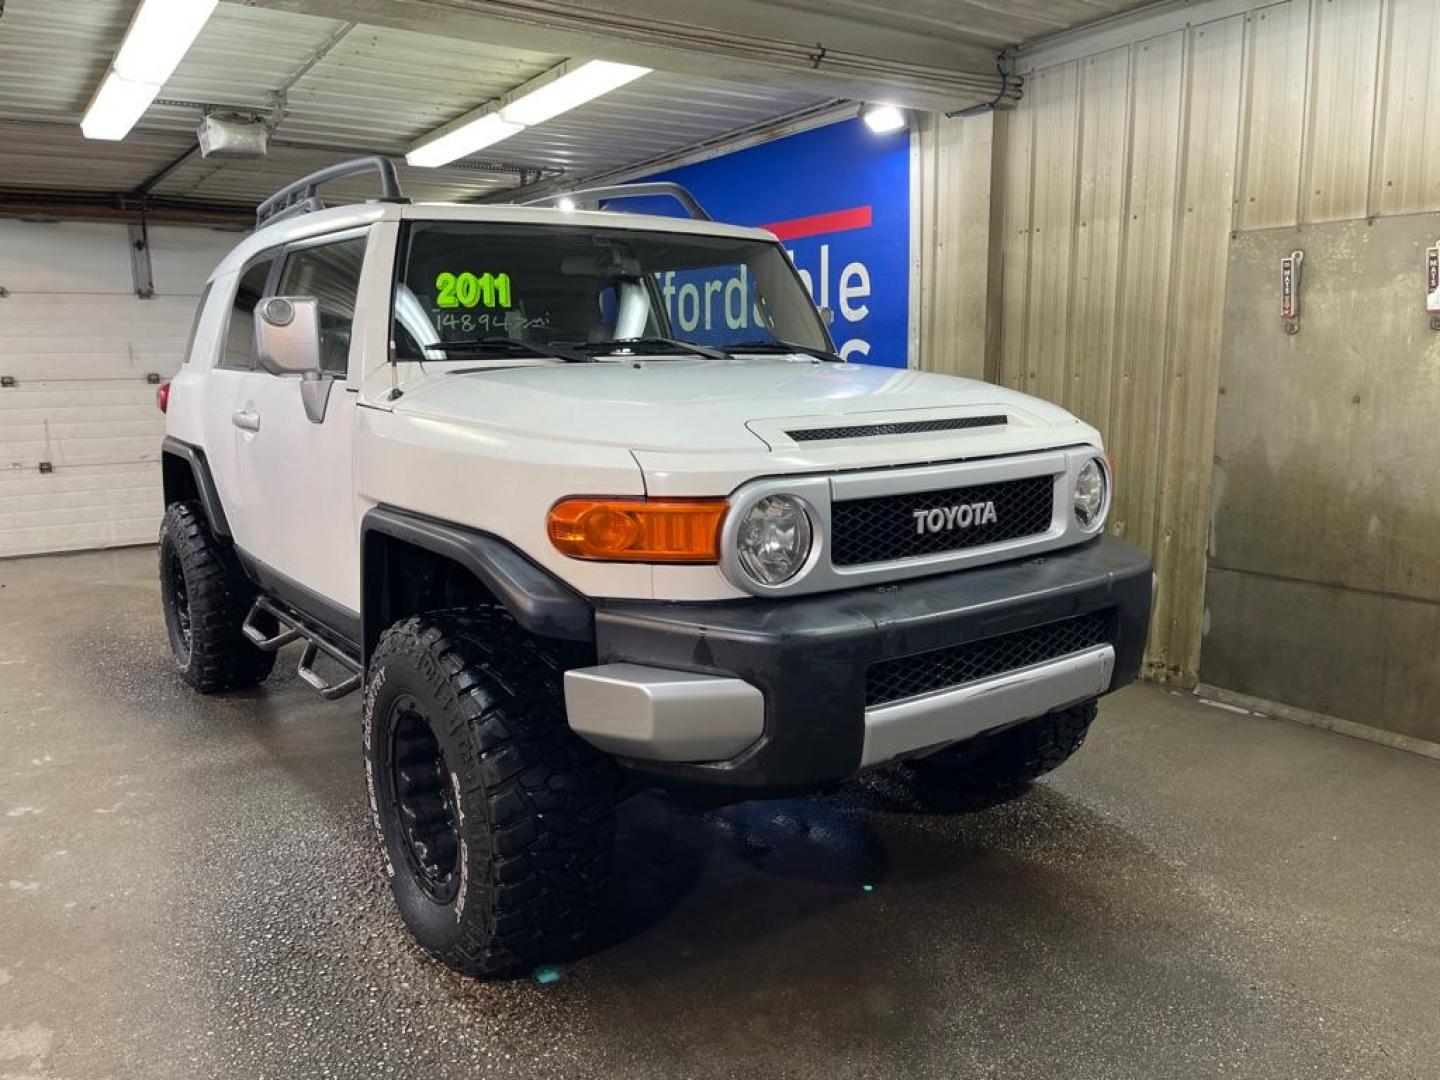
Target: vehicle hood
(714, 406)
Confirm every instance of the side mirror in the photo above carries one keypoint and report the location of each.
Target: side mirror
(287, 334)
(827, 315)
(287, 340)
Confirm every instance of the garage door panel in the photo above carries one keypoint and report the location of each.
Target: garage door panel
(42, 507)
(55, 323)
(85, 533)
(28, 490)
(182, 257)
(79, 507)
(58, 400)
(68, 257)
(81, 348)
(93, 258)
(79, 450)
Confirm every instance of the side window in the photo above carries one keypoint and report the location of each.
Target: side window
(239, 351)
(195, 326)
(331, 274)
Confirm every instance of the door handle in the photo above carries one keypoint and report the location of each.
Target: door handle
(246, 419)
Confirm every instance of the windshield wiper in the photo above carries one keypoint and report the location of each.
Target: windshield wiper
(645, 346)
(509, 346)
(777, 347)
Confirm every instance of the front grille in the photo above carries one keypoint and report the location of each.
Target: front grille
(956, 665)
(885, 528)
(907, 427)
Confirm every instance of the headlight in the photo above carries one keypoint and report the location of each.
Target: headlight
(1090, 494)
(773, 541)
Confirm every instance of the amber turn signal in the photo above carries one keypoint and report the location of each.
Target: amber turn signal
(639, 530)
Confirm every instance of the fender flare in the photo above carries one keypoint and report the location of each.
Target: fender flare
(205, 487)
(541, 603)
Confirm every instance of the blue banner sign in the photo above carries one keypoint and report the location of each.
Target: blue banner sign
(839, 199)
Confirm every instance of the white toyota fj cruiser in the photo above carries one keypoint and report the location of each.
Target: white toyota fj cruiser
(571, 540)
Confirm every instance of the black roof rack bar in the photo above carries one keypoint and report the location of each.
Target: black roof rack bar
(300, 197)
(590, 198)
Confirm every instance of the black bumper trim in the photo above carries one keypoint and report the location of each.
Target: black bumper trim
(810, 655)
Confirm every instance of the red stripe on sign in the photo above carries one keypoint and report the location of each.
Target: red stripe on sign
(857, 217)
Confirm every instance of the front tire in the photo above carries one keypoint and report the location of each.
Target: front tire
(206, 595)
(497, 821)
(993, 769)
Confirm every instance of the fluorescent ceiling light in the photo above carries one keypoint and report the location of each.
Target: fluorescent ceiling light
(883, 118)
(466, 139)
(554, 95)
(117, 107)
(159, 36)
(586, 83)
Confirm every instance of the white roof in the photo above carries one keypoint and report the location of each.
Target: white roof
(355, 215)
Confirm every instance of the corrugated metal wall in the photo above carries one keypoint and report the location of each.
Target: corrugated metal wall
(956, 298)
(1119, 180)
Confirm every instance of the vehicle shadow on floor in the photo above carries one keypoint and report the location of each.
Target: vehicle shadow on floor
(666, 851)
(663, 850)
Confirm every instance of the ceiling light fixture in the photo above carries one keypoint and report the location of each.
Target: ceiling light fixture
(159, 36)
(559, 90)
(479, 133)
(883, 118)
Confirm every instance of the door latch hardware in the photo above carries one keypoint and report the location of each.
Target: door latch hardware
(7, 382)
(46, 467)
(1290, 291)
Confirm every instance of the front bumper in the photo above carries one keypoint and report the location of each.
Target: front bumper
(809, 658)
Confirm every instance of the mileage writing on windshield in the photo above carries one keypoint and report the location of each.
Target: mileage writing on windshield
(509, 322)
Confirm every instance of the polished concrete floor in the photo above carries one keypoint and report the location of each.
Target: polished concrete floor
(188, 887)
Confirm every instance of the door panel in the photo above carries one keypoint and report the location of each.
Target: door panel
(295, 495)
(295, 477)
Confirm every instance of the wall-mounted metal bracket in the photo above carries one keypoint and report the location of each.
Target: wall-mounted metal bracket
(1290, 291)
(140, 260)
(1432, 285)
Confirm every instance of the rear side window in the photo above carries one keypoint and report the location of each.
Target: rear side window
(331, 274)
(239, 350)
(195, 325)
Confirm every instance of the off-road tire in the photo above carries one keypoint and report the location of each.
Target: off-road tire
(996, 768)
(206, 595)
(464, 729)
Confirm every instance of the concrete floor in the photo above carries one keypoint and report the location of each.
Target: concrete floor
(189, 887)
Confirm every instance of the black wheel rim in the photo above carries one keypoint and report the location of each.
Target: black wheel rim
(179, 606)
(424, 801)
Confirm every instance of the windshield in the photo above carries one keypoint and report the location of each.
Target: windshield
(558, 285)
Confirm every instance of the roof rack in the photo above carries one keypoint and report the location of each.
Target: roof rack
(590, 198)
(299, 198)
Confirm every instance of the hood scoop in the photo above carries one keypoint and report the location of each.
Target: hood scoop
(904, 427)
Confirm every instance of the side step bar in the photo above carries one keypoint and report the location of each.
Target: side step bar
(293, 627)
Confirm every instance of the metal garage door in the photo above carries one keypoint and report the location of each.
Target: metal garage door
(79, 431)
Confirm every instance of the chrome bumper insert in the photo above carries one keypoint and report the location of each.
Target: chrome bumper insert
(903, 728)
(662, 715)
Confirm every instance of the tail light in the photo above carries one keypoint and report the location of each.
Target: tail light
(639, 530)
(162, 397)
